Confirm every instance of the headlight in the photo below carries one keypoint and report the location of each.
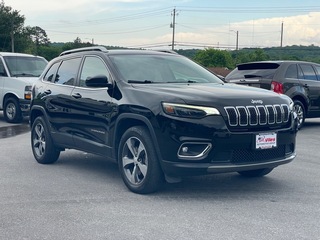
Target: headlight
(291, 105)
(188, 111)
(27, 92)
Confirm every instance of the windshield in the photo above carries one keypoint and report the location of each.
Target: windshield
(146, 68)
(21, 66)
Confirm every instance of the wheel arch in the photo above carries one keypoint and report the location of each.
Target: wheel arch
(303, 100)
(35, 112)
(127, 120)
(7, 96)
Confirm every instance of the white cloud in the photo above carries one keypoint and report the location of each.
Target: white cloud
(29, 7)
(35, 6)
(297, 30)
(60, 17)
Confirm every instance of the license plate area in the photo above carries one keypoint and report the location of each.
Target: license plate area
(266, 141)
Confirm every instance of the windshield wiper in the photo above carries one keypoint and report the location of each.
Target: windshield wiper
(182, 81)
(138, 81)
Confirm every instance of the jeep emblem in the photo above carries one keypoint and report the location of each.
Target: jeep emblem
(253, 101)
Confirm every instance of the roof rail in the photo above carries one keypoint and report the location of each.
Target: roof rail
(95, 48)
(166, 51)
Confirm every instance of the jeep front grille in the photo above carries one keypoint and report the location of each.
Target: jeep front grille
(260, 115)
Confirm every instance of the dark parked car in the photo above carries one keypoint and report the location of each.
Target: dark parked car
(159, 115)
(299, 80)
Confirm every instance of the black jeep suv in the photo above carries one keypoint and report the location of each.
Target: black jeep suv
(297, 79)
(159, 115)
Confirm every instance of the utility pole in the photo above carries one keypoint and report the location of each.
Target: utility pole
(237, 38)
(12, 41)
(12, 35)
(281, 42)
(237, 41)
(173, 26)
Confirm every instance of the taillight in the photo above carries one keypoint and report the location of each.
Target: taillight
(277, 87)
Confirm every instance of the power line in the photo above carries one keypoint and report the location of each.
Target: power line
(251, 9)
(123, 18)
(112, 32)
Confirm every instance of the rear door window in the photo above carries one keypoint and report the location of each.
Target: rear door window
(318, 71)
(292, 71)
(308, 72)
(67, 72)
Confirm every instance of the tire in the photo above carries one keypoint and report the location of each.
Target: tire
(12, 112)
(256, 173)
(301, 112)
(43, 148)
(138, 162)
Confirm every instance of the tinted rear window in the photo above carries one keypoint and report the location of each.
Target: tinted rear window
(254, 70)
(254, 66)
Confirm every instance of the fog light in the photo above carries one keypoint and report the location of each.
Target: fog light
(185, 149)
(194, 151)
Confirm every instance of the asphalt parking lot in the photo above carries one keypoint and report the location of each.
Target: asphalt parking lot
(82, 196)
(3, 123)
(9, 129)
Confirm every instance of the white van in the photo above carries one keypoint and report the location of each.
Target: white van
(17, 73)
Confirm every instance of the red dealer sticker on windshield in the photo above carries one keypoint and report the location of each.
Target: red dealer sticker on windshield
(266, 140)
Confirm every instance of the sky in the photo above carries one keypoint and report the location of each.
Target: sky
(197, 23)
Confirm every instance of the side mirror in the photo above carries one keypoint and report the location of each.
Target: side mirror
(99, 81)
(222, 78)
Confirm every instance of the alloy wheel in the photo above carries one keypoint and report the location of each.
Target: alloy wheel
(300, 114)
(134, 160)
(39, 140)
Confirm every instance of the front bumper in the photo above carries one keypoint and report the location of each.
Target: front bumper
(179, 169)
(24, 106)
(228, 152)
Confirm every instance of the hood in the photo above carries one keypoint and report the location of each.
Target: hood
(213, 94)
(25, 80)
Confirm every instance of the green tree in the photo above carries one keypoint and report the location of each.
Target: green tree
(38, 36)
(249, 55)
(258, 55)
(240, 57)
(77, 43)
(23, 43)
(214, 58)
(34, 38)
(189, 53)
(49, 52)
(11, 25)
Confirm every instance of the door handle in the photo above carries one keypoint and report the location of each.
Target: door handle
(76, 95)
(47, 91)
